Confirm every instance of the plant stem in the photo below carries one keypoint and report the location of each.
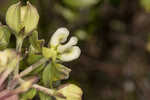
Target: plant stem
(48, 91)
(32, 67)
(14, 82)
(19, 43)
(4, 76)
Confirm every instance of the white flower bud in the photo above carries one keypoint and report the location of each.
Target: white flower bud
(60, 36)
(29, 17)
(70, 92)
(21, 16)
(13, 17)
(62, 48)
(72, 54)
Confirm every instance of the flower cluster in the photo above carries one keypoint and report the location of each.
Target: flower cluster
(22, 20)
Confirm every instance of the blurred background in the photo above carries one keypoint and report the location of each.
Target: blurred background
(114, 36)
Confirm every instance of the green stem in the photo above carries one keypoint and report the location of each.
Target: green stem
(32, 67)
(26, 71)
(19, 43)
(48, 91)
(4, 76)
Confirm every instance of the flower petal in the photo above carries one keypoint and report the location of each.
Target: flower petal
(62, 48)
(72, 54)
(60, 36)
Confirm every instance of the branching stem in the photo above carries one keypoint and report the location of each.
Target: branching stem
(32, 67)
(48, 91)
(4, 76)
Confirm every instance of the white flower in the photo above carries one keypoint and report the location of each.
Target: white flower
(60, 36)
(64, 52)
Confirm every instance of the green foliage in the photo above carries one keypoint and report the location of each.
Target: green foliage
(32, 58)
(54, 72)
(28, 95)
(36, 45)
(4, 37)
(44, 96)
(49, 53)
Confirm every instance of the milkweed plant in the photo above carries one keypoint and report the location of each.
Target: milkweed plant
(45, 69)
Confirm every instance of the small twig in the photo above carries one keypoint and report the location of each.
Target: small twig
(31, 68)
(4, 76)
(26, 71)
(4, 92)
(2, 86)
(8, 93)
(48, 91)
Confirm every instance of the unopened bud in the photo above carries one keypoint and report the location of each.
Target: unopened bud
(69, 92)
(21, 17)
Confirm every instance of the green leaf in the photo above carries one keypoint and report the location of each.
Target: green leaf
(38, 70)
(44, 96)
(29, 94)
(36, 45)
(54, 72)
(46, 76)
(29, 60)
(32, 58)
(4, 37)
